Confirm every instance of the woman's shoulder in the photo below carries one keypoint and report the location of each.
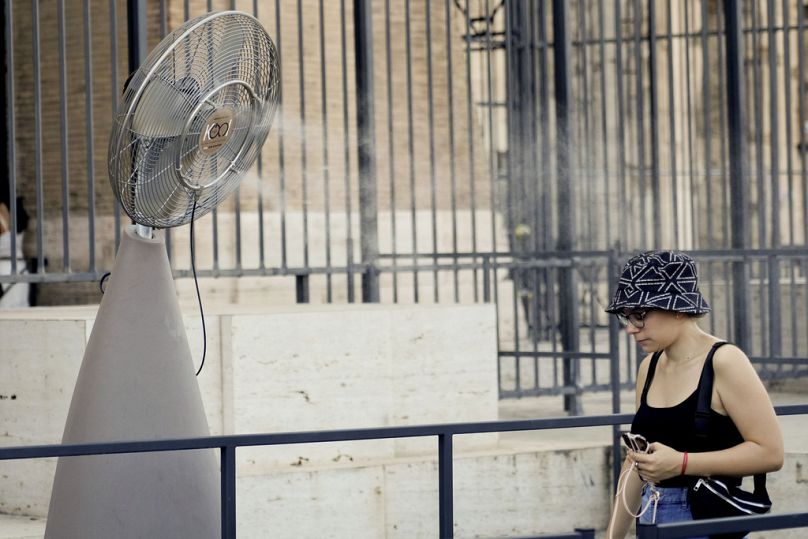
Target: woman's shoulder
(729, 360)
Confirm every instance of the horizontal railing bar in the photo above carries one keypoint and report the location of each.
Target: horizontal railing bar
(498, 260)
(551, 354)
(680, 530)
(539, 44)
(561, 390)
(247, 440)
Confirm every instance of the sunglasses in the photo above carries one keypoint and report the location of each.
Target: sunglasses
(635, 318)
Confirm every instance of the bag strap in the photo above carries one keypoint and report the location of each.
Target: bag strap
(704, 400)
(706, 393)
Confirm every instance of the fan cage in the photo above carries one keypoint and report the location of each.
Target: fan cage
(193, 119)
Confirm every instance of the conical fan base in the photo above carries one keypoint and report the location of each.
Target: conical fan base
(136, 382)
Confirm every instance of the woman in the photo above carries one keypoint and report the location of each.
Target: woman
(658, 301)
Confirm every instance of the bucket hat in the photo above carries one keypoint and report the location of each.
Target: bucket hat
(665, 280)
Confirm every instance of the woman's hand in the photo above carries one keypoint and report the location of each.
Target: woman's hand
(660, 463)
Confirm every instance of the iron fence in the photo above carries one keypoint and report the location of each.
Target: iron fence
(458, 151)
(227, 446)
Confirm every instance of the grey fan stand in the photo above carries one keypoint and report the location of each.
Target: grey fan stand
(136, 381)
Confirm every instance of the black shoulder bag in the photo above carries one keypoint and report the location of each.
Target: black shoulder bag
(716, 497)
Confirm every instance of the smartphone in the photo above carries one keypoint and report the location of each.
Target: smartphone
(635, 442)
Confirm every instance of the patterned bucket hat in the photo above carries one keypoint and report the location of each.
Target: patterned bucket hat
(665, 280)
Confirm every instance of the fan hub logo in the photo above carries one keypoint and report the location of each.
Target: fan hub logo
(218, 129)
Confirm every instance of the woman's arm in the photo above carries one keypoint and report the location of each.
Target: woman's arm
(621, 520)
(743, 397)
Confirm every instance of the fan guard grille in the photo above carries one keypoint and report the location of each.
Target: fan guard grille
(193, 118)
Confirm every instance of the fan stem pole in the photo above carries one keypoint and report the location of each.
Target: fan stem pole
(144, 231)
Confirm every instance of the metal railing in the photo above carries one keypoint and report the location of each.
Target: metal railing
(696, 528)
(227, 446)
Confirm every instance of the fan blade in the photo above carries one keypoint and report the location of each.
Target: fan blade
(163, 108)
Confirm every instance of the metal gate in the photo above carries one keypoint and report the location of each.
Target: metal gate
(514, 152)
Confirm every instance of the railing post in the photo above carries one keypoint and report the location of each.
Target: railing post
(228, 501)
(366, 136)
(445, 487)
(302, 288)
(738, 183)
(566, 222)
(647, 531)
(486, 279)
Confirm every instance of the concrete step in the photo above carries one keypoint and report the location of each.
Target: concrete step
(15, 527)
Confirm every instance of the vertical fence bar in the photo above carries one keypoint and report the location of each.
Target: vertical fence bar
(390, 147)
(513, 157)
(260, 186)
(586, 155)
(774, 141)
(672, 128)
(326, 168)
(431, 134)
(40, 202)
(722, 122)
(640, 118)
(621, 135)
(450, 127)
(792, 217)
(604, 116)
(114, 97)
(472, 175)
(492, 163)
(775, 331)
(366, 136)
(260, 173)
(544, 123)
(282, 134)
(737, 159)
(689, 175)
(347, 158)
(163, 19)
(486, 279)
(758, 111)
(89, 130)
(517, 356)
(707, 119)
(445, 487)
(10, 132)
(614, 367)
(787, 118)
(566, 221)
(656, 208)
(228, 491)
(411, 152)
(803, 127)
(304, 173)
(65, 165)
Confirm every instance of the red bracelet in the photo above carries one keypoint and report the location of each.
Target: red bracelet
(684, 463)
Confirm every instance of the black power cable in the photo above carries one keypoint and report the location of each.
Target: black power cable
(198, 295)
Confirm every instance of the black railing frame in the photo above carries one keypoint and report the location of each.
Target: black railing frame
(228, 445)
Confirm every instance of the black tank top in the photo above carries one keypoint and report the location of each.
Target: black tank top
(675, 426)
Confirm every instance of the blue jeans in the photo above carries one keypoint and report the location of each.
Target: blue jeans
(673, 506)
